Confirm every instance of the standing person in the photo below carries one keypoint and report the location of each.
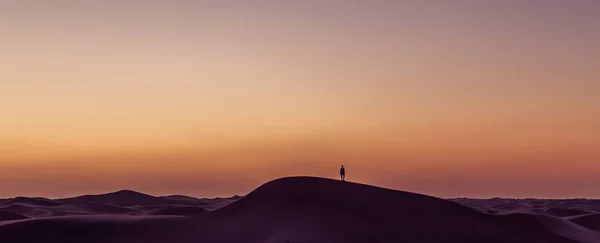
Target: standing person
(343, 173)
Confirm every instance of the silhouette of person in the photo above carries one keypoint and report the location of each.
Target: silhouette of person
(343, 173)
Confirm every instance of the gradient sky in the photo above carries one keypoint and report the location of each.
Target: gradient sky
(212, 98)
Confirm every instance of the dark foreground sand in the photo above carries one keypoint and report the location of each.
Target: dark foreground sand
(298, 209)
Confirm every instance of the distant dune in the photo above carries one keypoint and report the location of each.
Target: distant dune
(124, 198)
(295, 209)
(37, 201)
(178, 210)
(182, 198)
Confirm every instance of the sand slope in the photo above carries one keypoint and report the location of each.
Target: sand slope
(590, 221)
(300, 209)
(8, 216)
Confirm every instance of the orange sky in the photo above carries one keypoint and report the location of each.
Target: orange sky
(457, 98)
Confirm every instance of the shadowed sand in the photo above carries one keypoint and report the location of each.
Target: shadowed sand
(295, 209)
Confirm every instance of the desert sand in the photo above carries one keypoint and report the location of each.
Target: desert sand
(298, 209)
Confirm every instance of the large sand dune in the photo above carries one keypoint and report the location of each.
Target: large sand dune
(297, 209)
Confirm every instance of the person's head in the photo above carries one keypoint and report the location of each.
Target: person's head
(342, 166)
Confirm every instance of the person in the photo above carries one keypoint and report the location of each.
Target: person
(343, 173)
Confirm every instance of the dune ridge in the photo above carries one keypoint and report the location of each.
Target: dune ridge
(124, 198)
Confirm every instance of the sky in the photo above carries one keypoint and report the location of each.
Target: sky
(458, 98)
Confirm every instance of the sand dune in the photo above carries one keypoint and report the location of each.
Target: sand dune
(556, 207)
(178, 210)
(183, 198)
(297, 209)
(7, 216)
(590, 221)
(565, 212)
(99, 208)
(321, 210)
(206, 203)
(90, 229)
(125, 198)
(37, 201)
